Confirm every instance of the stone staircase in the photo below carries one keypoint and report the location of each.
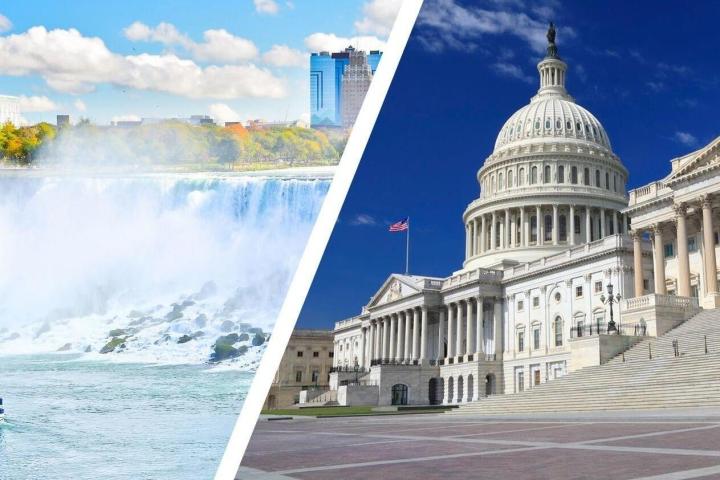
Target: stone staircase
(325, 399)
(690, 335)
(665, 381)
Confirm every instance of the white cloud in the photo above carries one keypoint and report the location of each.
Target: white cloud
(219, 45)
(266, 6)
(284, 56)
(5, 23)
(379, 16)
(126, 118)
(223, 113)
(363, 219)
(512, 71)
(72, 63)
(447, 24)
(318, 42)
(685, 138)
(37, 104)
(80, 105)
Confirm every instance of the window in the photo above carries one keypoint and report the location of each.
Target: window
(331, 354)
(558, 124)
(520, 305)
(547, 175)
(547, 124)
(692, 244)
(579, 291)
(669, 252)
(521, 341)
(537, 124)
(568, 125)
(533, 175)
(521, 177)
(510, 179)
(598, 287)
(536, 302)
(646, 285)
(607, 181)
(316, 354)
(577, 224)
(586, 177)
(615, 183)
(597, 178)
(563, 228)
(536, 339)
(558, 332)
(533, 229)
(558, 297)
(578, 127)
(580, 327)
(717, 237)
(315, 376)
(548, 228)
(500, 181)
(561, 174)
(298, 376)
(573, 175)
(300, 354)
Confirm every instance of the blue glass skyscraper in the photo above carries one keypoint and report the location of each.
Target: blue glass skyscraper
(326, 72)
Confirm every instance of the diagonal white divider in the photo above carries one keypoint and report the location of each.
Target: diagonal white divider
(318, 240)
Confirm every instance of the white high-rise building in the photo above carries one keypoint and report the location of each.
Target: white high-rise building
(10, 110)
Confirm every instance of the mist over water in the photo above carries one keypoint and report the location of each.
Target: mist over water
(160, 255)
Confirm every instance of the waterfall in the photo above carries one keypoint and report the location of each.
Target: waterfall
(151, 258)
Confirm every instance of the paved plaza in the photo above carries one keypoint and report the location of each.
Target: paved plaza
(659, 445)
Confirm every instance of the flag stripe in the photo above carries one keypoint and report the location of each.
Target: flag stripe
(400, 226)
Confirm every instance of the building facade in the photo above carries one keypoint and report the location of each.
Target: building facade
(306, 364)
(554, 278)
(326, 77)
(10, 110)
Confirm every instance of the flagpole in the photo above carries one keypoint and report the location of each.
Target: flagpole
(407, 249)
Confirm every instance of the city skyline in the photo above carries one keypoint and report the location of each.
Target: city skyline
(174, 62)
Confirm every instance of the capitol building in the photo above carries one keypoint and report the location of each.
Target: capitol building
(564, 268)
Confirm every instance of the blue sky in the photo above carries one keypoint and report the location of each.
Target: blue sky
(649, 71)
(245, 59)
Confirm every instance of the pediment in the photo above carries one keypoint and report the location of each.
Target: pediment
(698, 161)
(394, 288)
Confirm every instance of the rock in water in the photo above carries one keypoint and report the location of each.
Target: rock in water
(118, 332)
(113, 344)
(227, 326)
(65, 347)
(258, 340)
(184, 339)
(224, 348)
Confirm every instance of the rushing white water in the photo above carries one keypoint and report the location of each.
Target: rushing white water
(149, 258)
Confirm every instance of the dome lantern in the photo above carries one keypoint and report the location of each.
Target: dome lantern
(552, 69)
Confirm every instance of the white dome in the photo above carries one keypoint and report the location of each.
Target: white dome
(551, 117)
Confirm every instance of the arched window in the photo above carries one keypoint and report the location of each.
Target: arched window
(521, 177)
(615, 183)
(597, 178)
(561, 174)
(568, 125)
(548, 228)
(493, 185)
(557, 325)
(573, 175)
(562, 228)
(510, 179)
(558, 124)
(533, 175)
(500, 181)
(586, 177)
(547, 174)
(607, 181)
(547, 124)
(537, 124)
(533, 229)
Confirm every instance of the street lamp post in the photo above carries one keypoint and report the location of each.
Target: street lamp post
(610, 300)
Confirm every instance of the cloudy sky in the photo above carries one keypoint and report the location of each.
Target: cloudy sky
(123, 60)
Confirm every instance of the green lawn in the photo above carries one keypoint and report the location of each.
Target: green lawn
(342, 411)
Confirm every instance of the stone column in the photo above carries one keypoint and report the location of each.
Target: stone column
(571, 233)
(459, 330)
(441, 334)
(479, 347)
(588, 233)
(386, 337)
(659, 260)
(709, 244)
(467, 240)
(682, 254)
(450, 331)
(523, 228)
(423, 335)
(469, 335)
(393, 325)
(473, 238)
(483, 246)
(416, 335)
(408, 327)
(506, 233)
(513, 231)
(539, 226)
(400, 352)
(637, 263)
(497, 327)
(493, 234)
(361, 357)
(555, 232)
(615, 222)
(602, 223)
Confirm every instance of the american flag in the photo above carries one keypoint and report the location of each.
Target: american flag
(400, 226)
